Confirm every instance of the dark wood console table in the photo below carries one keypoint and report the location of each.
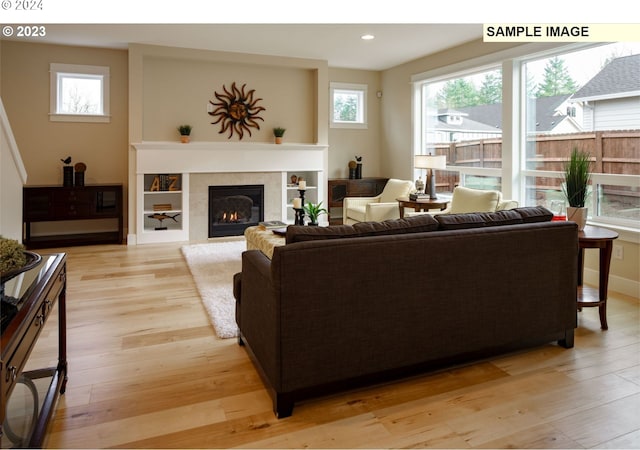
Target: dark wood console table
(28, 394)
(601, 238)
(59, 203)
(339, 188)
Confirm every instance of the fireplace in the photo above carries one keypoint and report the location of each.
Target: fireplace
(234, 208)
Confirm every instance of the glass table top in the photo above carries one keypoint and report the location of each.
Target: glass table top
(16, 290)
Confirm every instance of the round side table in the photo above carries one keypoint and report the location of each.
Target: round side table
(602, 238)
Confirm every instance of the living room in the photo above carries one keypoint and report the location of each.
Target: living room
(148, 100)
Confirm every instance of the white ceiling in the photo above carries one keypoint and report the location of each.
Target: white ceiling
(339, 44)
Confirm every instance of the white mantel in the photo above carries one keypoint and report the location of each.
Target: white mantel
(225, 157)
(222, 161)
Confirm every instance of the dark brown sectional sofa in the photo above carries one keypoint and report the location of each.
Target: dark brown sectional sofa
(341, 306)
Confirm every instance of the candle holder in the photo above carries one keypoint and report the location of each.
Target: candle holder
(299, 216)
(301, 192)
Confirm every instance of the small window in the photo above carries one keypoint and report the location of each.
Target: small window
(79, 93)
(348, 105)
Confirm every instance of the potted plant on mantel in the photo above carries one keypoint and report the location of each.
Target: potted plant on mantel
(577, 174)
(314, 210)
(278, 132)
(185, 132)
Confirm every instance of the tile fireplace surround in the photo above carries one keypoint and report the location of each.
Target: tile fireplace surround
(207, 164)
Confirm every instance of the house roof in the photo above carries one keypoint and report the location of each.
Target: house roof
(619, 78)
(467, 124)
(547, 117)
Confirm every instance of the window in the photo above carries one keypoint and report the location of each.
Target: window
(348, 105)
(550, 102)
(460, 117)
(79, 93)
(587, 99)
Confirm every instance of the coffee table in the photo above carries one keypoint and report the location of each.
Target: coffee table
(421, 204)
(602, 238)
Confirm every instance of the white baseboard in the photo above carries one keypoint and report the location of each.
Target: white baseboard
(618, 284)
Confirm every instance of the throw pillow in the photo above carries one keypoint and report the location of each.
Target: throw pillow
(466, 200)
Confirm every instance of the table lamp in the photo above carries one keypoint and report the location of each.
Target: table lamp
(430, 162)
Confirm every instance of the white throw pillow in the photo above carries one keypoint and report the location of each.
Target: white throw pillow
(467, 200)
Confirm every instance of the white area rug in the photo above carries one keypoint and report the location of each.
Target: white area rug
(212, 266)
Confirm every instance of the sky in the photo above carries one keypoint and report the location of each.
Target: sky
(583, 65)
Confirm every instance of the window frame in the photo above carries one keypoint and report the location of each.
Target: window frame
(362, 91)
(57, 72)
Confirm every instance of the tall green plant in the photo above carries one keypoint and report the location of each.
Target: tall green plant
(577, 173)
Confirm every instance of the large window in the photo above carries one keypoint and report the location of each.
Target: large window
(549, 103)
(587, 99)
(460, 118)
(79, 93)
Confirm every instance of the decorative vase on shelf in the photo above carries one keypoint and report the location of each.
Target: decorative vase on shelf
(577, 215)
(67, 176)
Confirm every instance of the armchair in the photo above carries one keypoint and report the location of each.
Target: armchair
(378, 208)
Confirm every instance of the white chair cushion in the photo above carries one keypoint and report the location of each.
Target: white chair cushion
(465, 200)
(394, 189)
(357, 213)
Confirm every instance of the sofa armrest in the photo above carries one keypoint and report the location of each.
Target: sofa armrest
(378, 212)
(257, 313)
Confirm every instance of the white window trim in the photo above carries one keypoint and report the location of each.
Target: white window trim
(55, 69)
(351, 87)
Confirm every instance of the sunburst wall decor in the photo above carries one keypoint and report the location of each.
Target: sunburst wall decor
(236, 110)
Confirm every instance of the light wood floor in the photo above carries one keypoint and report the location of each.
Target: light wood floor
(146, 371)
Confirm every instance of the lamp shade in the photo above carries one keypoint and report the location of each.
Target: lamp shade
(430, 162)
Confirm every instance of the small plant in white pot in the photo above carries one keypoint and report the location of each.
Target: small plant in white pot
(185, 133)
(577, 174)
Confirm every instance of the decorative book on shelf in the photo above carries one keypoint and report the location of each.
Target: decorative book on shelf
(162, 207)
(165, 183)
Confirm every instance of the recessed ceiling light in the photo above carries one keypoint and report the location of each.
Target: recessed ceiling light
(367, 37)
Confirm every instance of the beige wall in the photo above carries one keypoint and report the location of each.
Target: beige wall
(177, 91)
(344, 143)
(25, 93)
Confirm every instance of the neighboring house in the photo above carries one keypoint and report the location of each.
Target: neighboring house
(554, 115)
(451, 125)
(611, 99)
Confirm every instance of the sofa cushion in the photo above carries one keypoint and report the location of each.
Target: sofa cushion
(466, 200)
(532, 214)
(415, 224)
(301, 233)
(478, 220)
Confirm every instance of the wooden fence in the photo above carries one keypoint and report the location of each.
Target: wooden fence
(613, 152)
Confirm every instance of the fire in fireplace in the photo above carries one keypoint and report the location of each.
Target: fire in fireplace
(234, 208)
